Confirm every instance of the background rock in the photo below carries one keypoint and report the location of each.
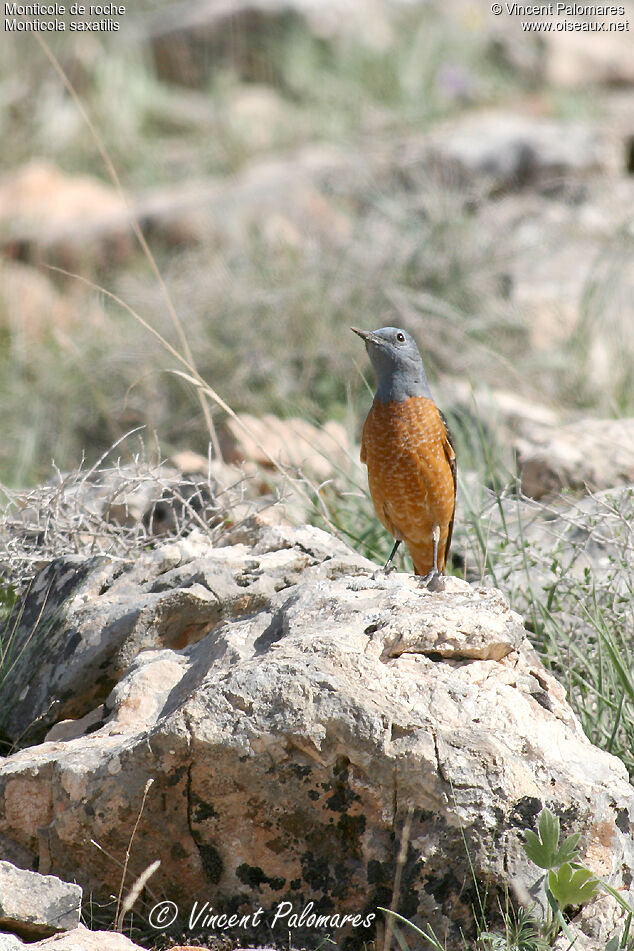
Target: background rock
(590, 454)
(318, 452)
(188, 42)
(580, 59)
(511, 150)
(33, 905)
(81, 939)
(41, 205)
(32, 309)
(9, 942)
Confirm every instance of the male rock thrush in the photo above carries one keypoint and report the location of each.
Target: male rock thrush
(409, 453)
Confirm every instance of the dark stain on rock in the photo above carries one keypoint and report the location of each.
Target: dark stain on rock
(294, 824)
(270, 635)
(212, 863)
(498, 812)
(569, 817)
(342, 796)
(71, 645)
(316, 872)
(254, 877)
(379, 872)
(443, 887)
(380, 875)
(525, 811)
(623, 821)
(543, 699)
(176, 775)
(201, 810)
(350, 829)
(277, 846)
(313, 794)
(177, 851)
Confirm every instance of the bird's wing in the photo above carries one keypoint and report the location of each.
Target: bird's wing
(449, 447)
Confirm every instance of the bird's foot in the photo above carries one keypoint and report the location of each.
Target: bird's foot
(433, 581)
(381, 573)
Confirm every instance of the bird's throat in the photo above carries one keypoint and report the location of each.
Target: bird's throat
(397, 386)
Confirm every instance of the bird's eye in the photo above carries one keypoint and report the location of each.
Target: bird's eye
(400, 337)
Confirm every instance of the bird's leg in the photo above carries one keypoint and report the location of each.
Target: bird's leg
(388, 564)
(380, 572)
(434, 579)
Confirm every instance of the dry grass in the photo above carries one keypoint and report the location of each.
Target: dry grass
(114, 511)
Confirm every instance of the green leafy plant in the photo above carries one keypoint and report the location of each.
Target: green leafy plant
(522, 932)
(543, 847)
(569, 883)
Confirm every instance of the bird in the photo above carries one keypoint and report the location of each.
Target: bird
(410, 455)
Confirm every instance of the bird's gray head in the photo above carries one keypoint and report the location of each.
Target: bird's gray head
(397, 364)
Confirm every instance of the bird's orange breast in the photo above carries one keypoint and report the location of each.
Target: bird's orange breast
(410, 464)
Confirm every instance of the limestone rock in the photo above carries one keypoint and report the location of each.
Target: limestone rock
(318, 451)
(32, 309)
(10, 942)
(581, 59)
(596, 925)
(41, 205)
(21, 197)
(33, 905)
(511, 149)
(189, 41)
(81, 939)
(290, 745)
(590, 454)
(83, 621)
(573, 59)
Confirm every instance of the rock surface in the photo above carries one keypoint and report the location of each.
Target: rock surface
(32, 309)
(290, 745)
(317, 451)
(9, 942)
(85, 620)
(508, 149)
(81, 939)
(33, 905)
(189, 42)
(590, 454)
(41, 205)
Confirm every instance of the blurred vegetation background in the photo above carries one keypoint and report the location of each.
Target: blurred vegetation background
(298, 167)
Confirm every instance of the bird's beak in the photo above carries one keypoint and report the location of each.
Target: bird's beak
(364, 334)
